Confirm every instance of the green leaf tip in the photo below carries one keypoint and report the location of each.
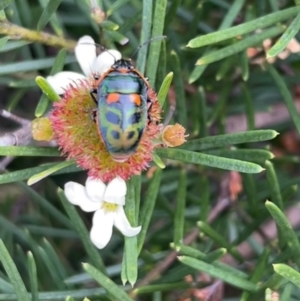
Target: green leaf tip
(287, 272)
(46, 88)
(200, 62)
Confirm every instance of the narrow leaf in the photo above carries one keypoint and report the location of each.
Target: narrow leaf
(239, 46)
(286, 95)
(13, 274)
(148, 207)
(229, 139)
(288, 273)
(4, 3)
(164, 88)
(157, 30)
(273, 184)
(145, 34)
(46, 88)
(47, 13)
(38, 177)
(219, 239)
(218, 273)
(209, 160)
(57, 66)
(33, 277)
(179, 90)
(287, 36)
(289, 235)
(31, 65)
(106, 283)
(179, 209)
(29, 151)
(244, 28)
(26, 173)
(3, 41)
(131, 252)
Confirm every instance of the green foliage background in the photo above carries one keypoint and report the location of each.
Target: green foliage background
(192, 227)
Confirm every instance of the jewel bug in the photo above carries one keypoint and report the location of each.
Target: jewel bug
(123, 97)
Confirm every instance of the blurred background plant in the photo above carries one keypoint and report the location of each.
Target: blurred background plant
(221, 221)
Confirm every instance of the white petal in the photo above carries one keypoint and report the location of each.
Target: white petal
(105, 60)
(76, 194)
(62, 80)
(116, 191)
(102, 228)
(85, 52)
(95, 189)
(122, 223)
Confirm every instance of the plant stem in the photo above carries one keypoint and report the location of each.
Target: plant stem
(15, 31)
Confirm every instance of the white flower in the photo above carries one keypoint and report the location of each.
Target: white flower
(107, 202)
(89, 62)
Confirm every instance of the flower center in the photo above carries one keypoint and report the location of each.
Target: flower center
(109, 207)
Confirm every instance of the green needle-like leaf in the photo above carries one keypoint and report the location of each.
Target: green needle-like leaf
(148, 207)
(179, 90)
(29, 151)
(33, 277)
(13, 274)
(106, 283)
(244, 28)
(46, 88)
(259, 270)
(47, 13)
(229, 139)
(145, 34)
(115, 6)
(108, 25)
(164, 88)
(273, 184)
(239, 46)
(3, 42)
(4, 3)
(288, 273)
(221, 241)
(232, 14)
(117, 37)
(131, 251)
(161, 287)
(157, 30)
(283, 41)
(289, 235)
(286, 95)
(31, 65)
(258, 156)
(215, 255)
(218, 273)
(26, 173)
(58, 66)
(209, 160)
(179, 209)
(38, 177)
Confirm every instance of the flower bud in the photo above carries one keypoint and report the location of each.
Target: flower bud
(173, 135)
(41, 129)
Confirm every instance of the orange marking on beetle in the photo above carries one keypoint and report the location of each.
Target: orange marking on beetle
(112, 97)
(135, 98)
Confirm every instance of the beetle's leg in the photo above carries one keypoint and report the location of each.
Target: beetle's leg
(149, 105)
(94, 115)
(92, 92)
(169, 115)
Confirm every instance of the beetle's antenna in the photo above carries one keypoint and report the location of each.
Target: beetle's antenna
(147, 42)
(101, 47)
